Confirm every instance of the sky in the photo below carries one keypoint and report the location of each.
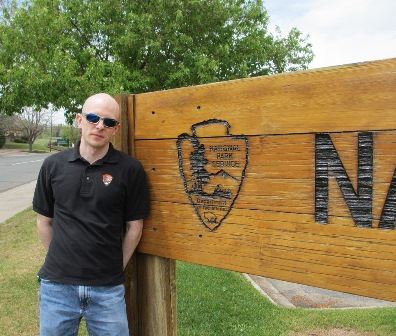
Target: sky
(59, 118)
(341, 31)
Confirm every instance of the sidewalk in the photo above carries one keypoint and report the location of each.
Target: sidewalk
(5, 151)
(292, 295)
(15, 200)
(281, 293)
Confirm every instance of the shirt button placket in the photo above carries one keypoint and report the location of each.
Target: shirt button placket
(87, 183)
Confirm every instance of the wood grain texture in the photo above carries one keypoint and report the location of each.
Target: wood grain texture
(271, 229)
(150, 281)
(157, 296)
(337, 99)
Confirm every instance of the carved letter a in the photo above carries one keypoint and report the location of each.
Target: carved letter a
(388, 216)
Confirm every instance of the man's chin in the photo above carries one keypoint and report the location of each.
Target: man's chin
(97, 142)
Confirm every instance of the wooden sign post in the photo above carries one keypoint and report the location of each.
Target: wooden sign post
(290, 176)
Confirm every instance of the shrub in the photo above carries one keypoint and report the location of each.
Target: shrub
(19, 140)
(2, 141)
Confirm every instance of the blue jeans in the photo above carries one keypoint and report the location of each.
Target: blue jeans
(63, 306)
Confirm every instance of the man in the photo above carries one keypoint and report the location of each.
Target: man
(90, 202)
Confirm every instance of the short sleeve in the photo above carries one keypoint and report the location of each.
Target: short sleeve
(137, 202)
(43, 199)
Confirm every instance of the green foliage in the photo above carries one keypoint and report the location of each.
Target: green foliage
(21, 140)
(71, 133)
(61, 51)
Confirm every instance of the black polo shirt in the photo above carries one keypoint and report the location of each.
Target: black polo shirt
(89, 204)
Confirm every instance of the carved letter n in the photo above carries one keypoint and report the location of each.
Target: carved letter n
(327, 159)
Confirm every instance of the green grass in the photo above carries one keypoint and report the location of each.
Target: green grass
(210, 301)
(39, 146)
(218, 302)
(20, 255)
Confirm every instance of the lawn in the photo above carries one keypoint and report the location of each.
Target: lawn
(210, 301)
(39, 146)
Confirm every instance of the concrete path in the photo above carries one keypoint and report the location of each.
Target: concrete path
(15, 200)
(291, 295)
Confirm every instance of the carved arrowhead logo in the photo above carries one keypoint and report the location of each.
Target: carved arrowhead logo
(212, 164)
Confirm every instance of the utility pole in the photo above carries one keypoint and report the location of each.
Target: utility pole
(50, 146)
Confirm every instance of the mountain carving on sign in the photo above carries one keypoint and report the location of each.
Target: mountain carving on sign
(212, 164)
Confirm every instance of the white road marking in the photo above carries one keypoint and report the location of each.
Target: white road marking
(19, 163)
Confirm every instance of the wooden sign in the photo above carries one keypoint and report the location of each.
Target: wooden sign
(290, 176)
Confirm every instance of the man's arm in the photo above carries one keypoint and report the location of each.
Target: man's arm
(44, 230)
(131, 239)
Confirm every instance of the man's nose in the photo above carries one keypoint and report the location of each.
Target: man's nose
(100, 124)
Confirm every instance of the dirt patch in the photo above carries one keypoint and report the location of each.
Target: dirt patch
(331, 332)
(6, 151)
(305, 302)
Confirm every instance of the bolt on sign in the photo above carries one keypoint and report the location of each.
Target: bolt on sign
(291, 176)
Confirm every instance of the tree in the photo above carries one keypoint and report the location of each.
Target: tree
(61, 51)
(71, 132)
(9, 7)
(33, 122)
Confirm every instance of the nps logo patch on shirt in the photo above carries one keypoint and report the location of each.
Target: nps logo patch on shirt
(107, 178)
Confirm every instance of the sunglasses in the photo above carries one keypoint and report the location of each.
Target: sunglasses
(93, 118)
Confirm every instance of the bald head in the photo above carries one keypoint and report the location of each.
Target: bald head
(102, 101)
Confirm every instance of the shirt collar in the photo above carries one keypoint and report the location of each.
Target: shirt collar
(110, 157)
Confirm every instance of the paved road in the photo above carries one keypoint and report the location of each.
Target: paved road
(18, 168)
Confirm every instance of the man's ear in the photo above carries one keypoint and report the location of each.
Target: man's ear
(79, 119)
(116, 128)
